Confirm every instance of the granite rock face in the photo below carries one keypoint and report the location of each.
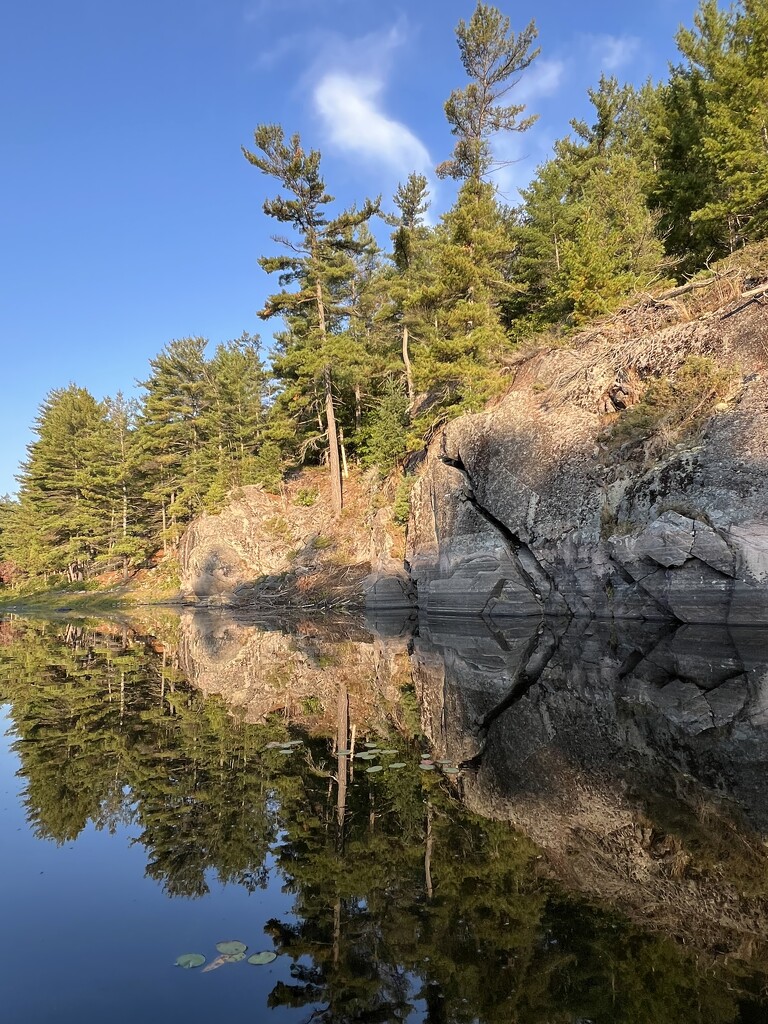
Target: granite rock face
(525, 509)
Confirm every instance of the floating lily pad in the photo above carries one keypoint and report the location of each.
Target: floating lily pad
(375, 768)
(397, 764)
(371, 745)
(343, 753)
(295, 743)
(366, 755)
(451, 770)
(427, 766)
(190, 960)
(389, 753)
(262, 958)
(285, 750)
(231, 948)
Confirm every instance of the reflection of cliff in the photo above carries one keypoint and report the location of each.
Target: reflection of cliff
(294, 668)
(614, 749)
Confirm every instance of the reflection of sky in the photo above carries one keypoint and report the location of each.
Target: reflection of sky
(87, 937)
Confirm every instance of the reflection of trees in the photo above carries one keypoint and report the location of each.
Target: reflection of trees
(404, 902)
(108, 731)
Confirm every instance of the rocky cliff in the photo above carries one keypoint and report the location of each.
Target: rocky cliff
(623, 476)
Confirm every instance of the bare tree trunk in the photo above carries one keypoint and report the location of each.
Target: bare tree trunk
(407, 364)
(334, 464)
(344, 466)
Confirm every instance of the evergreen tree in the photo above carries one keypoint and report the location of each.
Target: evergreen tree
(586, 237)
(232, 420)
(170, 438)
(492, 56)
(119, 482)
(318, 262)
(58, 526)
(713, 182)
(412, 267)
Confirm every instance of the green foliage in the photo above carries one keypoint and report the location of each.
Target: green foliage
(375, 352)
(674, 405)
(306, 497)
(587, 238)
(383, 439)
(401, 507)
(493, 56)
(713, 182)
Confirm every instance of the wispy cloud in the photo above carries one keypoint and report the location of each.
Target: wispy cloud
(543, 79)
(350, 108)
(613, 52)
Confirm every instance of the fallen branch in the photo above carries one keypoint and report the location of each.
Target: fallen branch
(690, 286)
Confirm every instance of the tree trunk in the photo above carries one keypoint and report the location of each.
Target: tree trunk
(344, 466)
(407, 364)
(334, 463)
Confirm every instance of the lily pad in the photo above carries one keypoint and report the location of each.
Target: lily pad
(371, 745)
(231, 948)
(389, 753)
(262, 958)
(397, 764)
(366, 755)
(190, 960)
(285, 750)
(343, 753)
(375, 768)
(427, 766)
(451, 770)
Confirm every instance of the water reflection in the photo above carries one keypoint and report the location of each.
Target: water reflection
(630, 761)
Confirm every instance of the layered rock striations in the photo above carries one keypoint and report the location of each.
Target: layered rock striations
(532, 508)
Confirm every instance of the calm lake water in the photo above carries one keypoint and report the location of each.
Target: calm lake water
(545, 822)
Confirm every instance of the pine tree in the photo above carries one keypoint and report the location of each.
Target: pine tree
(170, 438)
(232, 420)
(492, 56)
(586, 236)
(319, 262)
(119, 483)
(58, 526)
(713, 181)
(411, 266)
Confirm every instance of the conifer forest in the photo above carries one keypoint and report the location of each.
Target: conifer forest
(387, 321)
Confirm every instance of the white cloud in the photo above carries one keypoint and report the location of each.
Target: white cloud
(543, 79)
(613, 52)
(350, 108)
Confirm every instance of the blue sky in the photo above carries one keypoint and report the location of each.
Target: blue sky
(128, 215)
